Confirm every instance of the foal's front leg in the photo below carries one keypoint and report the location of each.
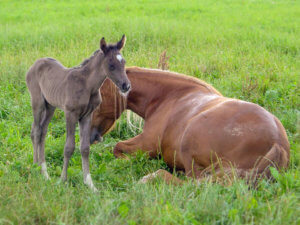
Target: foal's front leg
(71, 121)
(85, 126)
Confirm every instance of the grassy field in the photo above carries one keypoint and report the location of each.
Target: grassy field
(246, 49)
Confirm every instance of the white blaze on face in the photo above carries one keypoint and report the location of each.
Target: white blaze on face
(119, 57)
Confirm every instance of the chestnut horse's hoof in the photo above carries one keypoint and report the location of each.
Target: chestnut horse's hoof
(162, 174)
(118, 153)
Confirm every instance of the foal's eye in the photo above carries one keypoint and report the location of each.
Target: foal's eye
(111, 67)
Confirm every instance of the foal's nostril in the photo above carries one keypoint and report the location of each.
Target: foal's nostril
(125, 87)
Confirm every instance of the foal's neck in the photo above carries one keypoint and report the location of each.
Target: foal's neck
(94, 72)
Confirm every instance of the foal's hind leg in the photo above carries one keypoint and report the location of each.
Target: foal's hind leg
(85, 127)
(48, 114)
(38, 108)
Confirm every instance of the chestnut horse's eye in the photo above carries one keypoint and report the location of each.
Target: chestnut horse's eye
(111, 67)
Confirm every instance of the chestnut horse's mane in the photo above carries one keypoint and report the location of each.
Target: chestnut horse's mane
(173, 75)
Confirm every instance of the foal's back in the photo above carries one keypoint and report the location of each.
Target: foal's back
(49, 77)
(46, 67)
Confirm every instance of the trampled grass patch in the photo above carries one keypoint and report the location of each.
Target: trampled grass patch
(245, 49)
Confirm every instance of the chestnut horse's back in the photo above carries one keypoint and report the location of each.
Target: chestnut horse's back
(241, 134)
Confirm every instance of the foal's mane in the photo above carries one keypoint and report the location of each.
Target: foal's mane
(173, 75)
(86, 61)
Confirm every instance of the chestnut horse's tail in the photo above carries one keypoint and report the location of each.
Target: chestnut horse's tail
(277, 157)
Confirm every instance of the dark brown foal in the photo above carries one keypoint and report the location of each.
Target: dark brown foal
(76, 91)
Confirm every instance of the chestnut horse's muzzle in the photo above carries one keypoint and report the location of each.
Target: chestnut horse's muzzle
(95, 136)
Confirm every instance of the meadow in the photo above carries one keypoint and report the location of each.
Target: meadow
(246, 49)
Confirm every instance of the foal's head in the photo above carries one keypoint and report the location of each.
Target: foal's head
(114, 64)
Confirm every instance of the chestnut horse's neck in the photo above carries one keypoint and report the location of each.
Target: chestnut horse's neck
(150, 88)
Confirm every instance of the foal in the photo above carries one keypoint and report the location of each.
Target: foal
(76, 91)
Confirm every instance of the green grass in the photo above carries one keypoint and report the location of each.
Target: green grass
(246, 49)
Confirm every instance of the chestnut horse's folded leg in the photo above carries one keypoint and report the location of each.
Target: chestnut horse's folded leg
(85, 126)
(132, 145)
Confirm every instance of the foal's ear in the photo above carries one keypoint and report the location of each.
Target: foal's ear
(122, 42)
(103, 45)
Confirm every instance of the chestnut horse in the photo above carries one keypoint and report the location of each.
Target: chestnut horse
(193, 126)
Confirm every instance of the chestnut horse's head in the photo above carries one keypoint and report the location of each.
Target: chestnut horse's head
(110, 109)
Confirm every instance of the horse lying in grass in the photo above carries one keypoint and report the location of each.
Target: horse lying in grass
(76, 91)
(193, 126)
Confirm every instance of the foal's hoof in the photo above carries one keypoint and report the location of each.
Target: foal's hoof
(63, 178)
(44, 171)
(45, 174)
(89, 182)
(59, 182)
(94, 189)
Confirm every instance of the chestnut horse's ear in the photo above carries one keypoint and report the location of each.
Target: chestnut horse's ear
(103, 45)
(122, 42)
